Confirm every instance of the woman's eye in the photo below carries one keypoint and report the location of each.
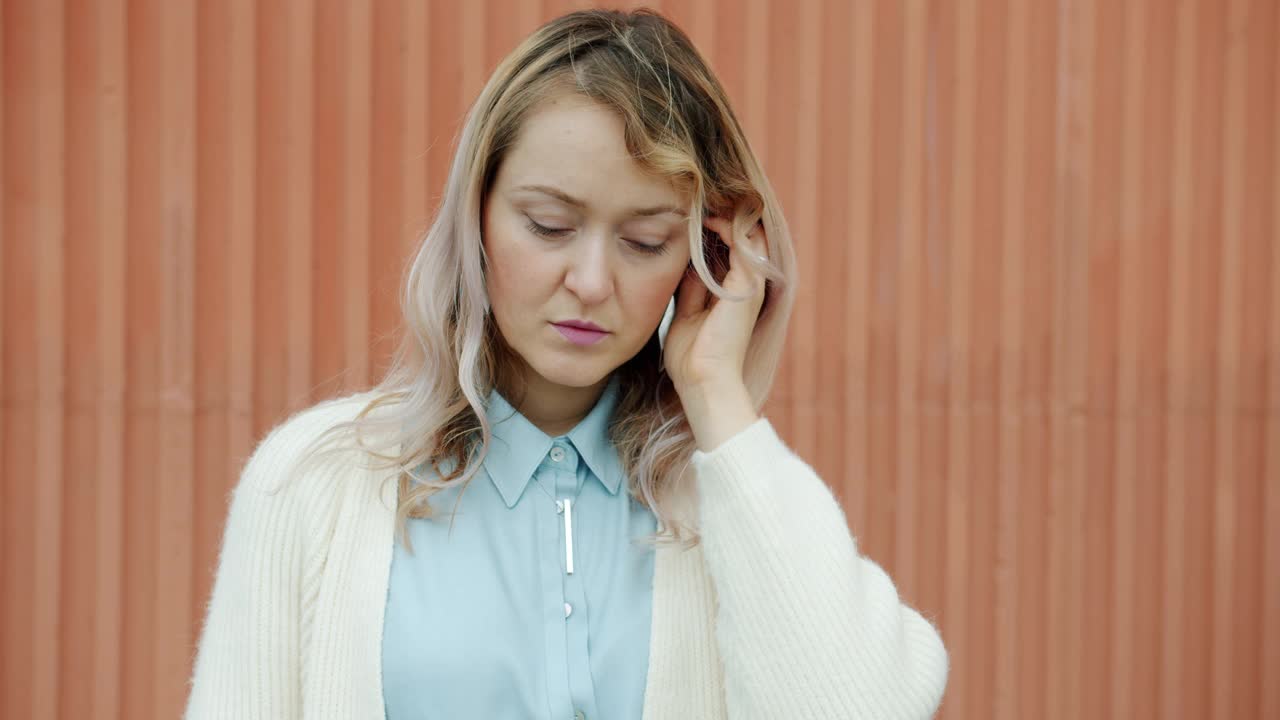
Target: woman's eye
(539, 229)
(648, 249)
(544, 231)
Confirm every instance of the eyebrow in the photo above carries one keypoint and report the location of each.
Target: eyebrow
(568, 199)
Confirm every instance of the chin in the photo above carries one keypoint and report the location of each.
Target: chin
(575, 372)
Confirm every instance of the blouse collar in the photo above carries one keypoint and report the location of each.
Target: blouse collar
(519, 447)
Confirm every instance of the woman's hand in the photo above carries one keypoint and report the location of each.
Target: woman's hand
(707, 342)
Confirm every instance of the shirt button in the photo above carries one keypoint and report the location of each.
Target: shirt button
(579, 715)
(568, 609)
(557, 454)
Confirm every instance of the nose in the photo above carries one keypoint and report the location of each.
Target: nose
(590, 271)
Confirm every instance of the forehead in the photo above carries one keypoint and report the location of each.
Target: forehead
(574, 144)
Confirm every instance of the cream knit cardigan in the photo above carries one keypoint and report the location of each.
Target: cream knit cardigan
(774, 615)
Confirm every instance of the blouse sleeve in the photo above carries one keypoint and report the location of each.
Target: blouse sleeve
(806, 626)
(247, 663)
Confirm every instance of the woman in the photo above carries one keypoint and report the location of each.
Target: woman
(600, 173)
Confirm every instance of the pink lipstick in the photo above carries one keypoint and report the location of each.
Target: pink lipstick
(580, 332)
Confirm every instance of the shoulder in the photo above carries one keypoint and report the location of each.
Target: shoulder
(306, 443)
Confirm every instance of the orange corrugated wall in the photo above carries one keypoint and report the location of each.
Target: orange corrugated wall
(1037, 348)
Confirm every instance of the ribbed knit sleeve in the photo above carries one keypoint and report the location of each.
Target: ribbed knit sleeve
(248, 662)
(806, 626)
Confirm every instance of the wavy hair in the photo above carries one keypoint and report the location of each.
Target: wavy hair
(428, 410)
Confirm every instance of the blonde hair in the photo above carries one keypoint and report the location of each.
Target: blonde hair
(677, 124)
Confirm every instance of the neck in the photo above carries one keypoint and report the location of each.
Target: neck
(554, 409)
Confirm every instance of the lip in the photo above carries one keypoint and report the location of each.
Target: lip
(582, 325)
(580, 332)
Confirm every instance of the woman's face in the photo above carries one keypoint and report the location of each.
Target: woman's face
(584, 247)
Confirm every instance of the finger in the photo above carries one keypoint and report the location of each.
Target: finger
(721, 227)
(754, 240)
(757, 241)
(744, 276)
(691, 296)
(754, 246)
(752, 279)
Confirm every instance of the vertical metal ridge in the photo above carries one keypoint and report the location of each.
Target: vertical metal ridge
(1224, 523)
(1269, 705)
(108, 535)
(1013, 227)
(297, 172)
(242, 227)
(911, 266)
(48, 185)
(357, 196)
(175, 439)
(1178, 357)
(1123, 702)
(959, 314)
(857, 270)
(807, 229)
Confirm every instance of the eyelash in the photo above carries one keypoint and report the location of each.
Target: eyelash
(545, 231)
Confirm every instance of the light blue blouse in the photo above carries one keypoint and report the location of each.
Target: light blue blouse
(486, 621)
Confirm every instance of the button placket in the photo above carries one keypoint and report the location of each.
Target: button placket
(565, 471)
(569, 485)
(551, 557)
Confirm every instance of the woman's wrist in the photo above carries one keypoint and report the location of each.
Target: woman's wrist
(717, 412)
